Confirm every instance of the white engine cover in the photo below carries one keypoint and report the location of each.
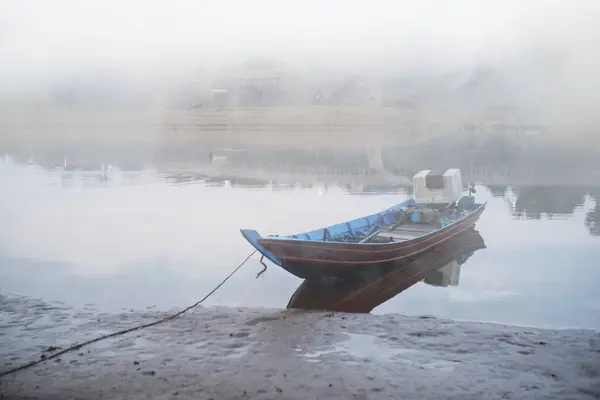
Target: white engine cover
(432, 187)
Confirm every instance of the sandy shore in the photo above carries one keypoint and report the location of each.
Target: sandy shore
(230, 353)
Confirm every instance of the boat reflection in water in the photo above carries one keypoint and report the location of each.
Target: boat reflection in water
(449, 274)
(440, 266)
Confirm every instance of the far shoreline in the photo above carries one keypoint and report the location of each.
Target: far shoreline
(301, 127)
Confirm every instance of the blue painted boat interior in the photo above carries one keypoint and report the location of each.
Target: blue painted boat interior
(358, 226)
(366, 225)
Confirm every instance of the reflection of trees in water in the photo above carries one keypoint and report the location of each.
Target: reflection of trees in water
(532, 201)
(497, 190)
(592, 218)
(494, 155)
(349, 161)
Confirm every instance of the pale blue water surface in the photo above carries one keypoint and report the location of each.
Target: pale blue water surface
(163, 235)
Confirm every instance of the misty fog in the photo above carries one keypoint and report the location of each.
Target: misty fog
(149, 147)
(461, 58)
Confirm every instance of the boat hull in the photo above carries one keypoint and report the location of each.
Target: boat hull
(327, 259)
(368, 291)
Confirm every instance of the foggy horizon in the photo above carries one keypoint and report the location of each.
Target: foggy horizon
(538, 54)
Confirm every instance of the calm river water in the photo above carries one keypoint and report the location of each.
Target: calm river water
(148, 237)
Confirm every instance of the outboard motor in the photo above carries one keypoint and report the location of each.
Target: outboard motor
(437, 188)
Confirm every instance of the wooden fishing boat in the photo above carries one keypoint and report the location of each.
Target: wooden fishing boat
(438, 211)
(361, 294)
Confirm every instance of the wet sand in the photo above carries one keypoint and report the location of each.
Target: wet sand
(235, 353)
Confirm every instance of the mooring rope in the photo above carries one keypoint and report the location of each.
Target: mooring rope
(124, 331)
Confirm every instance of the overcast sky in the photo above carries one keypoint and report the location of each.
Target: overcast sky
(61, 34)
(544, 43)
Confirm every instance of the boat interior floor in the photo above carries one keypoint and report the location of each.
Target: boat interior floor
(407, 232)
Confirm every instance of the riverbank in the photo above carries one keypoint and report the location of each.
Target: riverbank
(296, 127)
(289, 126)
(237, 353)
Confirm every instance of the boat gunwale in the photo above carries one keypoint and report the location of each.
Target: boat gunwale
(321, 262)
(410, 202)
(367, 247)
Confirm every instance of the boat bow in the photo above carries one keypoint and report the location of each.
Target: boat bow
(253, 238)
